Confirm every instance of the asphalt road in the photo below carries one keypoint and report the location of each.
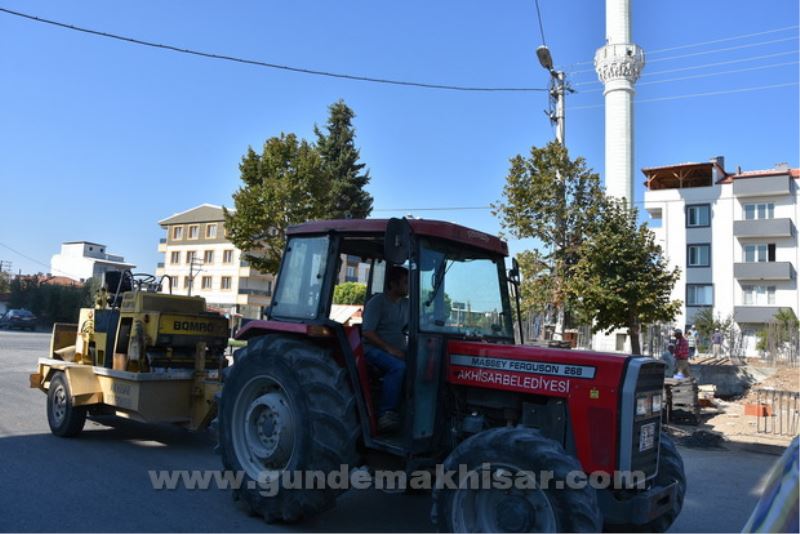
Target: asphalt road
(99, 481)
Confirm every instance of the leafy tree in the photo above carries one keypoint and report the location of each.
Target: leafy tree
(622, 279)
(283, 185)
(536, 286)
(782, 330)
(349, 293)
(50, 302)
(5, 282)
(347, 176)
(554, 199)
(706, 323)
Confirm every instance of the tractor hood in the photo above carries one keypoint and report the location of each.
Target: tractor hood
(528, 369)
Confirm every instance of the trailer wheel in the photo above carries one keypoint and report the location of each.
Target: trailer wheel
(286, 407)
(501, 455)
(65, 419)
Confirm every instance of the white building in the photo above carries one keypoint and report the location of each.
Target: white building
(199, 259)
(81, 260)
(734, 237)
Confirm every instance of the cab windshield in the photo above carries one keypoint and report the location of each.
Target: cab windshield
(461, 293)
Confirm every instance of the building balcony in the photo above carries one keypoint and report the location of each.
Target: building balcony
(162, 245)
(762, 187)
(772, 270)
(755, 314)
(763, 228)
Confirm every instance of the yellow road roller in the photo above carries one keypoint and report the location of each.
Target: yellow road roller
(139, 353)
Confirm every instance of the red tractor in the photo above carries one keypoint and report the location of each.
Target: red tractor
(301, 396)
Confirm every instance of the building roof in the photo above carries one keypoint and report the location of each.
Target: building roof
(690, 174)
(198, 214)
(83, 243)
(794, 173)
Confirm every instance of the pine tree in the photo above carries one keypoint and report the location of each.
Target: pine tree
(340, 157)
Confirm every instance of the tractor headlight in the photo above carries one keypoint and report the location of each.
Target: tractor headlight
(642, 405)
(657, 403)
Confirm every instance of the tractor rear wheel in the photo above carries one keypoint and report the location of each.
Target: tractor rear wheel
(65, 419)
(514, 503)
(286, 406)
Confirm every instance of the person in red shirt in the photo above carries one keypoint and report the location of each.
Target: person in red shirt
(681, 353)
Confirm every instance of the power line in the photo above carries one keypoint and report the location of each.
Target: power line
(302, 70)
(698, 67)
(541, 27)
(695, 95)
(706, 52)
(715, 41)
(34, 260)
(696, 76)
(452, 208)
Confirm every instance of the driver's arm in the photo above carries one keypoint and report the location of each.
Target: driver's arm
(375, 340)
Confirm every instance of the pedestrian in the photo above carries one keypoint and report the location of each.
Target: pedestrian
(716, 343)
(668, 357)
(691, 338)
(681, 354)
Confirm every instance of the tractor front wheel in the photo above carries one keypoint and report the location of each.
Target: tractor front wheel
(517, 498)
(286, 409)
(65, 419)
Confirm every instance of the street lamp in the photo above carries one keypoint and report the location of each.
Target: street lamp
(557, 91)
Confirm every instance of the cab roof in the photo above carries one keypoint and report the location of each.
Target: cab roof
(440, 229)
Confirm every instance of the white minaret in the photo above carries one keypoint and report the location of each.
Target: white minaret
(618, 66)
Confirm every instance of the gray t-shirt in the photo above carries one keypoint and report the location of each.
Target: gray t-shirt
(387, 319)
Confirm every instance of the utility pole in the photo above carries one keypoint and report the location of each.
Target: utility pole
(557, 116)
(558, 91)
(192, 273)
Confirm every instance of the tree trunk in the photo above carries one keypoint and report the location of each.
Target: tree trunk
(633, 334)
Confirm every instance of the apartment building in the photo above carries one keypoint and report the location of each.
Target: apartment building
(81, 260)
(200, 260)
(734, 236)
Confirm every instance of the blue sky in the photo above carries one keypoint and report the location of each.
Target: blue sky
(100, 139)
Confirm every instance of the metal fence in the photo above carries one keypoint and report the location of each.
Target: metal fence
(778, 412)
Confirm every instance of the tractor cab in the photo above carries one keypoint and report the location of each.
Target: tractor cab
(458, 290)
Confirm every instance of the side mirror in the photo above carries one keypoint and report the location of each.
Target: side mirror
(397, 241)
(513, 273)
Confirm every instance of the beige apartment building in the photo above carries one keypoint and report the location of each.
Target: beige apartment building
(201, 261)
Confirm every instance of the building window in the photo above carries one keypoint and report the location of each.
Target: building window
(758, 295)
(699, 256)
(208, 257)
(269, 287)
(177, 232)
(225, 282)
(699, 295)
(194, 231)
(227, 256)
(206, 282)
(211, 231)
(698, 215)
(351, 273)
(760, 252)
(191, 256)
(187, 282)
(765, 210)
(175, 257)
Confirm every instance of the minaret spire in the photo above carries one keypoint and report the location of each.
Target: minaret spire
(619, 64)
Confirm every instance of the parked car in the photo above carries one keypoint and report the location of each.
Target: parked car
(20, 319)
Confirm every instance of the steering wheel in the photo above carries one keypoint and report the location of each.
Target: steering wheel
(141, 280)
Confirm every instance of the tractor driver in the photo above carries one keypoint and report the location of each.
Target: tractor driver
(385, 321)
